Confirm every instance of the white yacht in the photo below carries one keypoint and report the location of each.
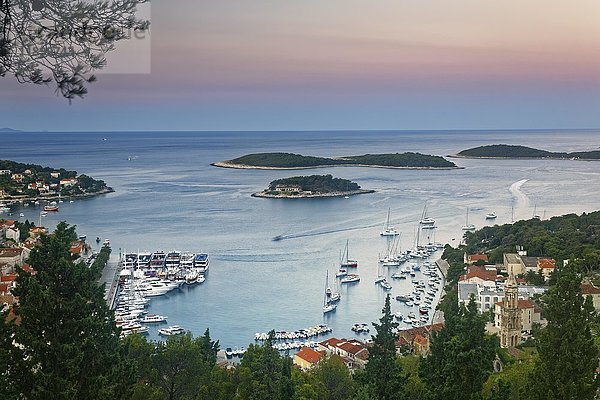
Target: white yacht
(153, 318)
(171, 331)
(491, 215)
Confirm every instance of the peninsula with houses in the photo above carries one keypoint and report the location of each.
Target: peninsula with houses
(30, 182)
(299, 187)
(512, 151)
(407, 160)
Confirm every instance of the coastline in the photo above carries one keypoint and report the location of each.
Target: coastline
(265, 195)
(13, 200)
(225, 164)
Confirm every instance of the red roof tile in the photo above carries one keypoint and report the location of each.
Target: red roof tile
(586, 288)
(333, 342)
(350, 348)
(309, 355)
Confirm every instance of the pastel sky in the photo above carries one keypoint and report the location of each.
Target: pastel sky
(341, 64)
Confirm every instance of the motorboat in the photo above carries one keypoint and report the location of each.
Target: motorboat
(350, 278)
(171, 331)
(153, 318)
(201, 261)
(491, 215)
(341, 272)
(385, 285)
(51, 208)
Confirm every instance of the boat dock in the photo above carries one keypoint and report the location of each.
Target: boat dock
(110, 278)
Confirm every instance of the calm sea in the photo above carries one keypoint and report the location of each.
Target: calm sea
(169, 197)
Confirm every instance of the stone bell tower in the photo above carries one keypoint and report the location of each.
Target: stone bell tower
(510, 317)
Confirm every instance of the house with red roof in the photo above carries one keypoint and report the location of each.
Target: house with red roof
(417, 340)
(353, 352)
(593, 291)
(307, 358)
(11, 256)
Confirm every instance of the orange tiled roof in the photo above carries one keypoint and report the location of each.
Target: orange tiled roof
(546, 263)
(310, 355)
(331, 342)
(350, 347)
(479, 272)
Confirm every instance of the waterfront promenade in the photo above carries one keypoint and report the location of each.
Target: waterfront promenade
(110, 276)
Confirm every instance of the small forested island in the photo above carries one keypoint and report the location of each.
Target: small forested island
(297, 161)
(299, 187)
(512, 151)
(29, 182)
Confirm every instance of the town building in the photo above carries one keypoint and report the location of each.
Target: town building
(288, 188)
(513, 263)
(353, 352)
(511, 323)
(590, 290)
(417, 340)
(307, 358)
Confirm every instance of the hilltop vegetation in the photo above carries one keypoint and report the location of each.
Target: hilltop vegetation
(510, 151)
(566, 237)
(316, 183)
(19, 180)
(293, 161)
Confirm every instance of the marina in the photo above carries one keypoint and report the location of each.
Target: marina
(256, 283)
(144, 276)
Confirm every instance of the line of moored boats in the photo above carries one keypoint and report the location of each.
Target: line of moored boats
(144, 276)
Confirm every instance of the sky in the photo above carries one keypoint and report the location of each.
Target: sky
(339, 64)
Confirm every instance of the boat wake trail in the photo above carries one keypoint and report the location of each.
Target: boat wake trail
(319, 233)
(521, 199)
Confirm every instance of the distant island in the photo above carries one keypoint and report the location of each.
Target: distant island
(9, 130)
(298, 161)
(30, 182)
(510, 151)
(299, 187)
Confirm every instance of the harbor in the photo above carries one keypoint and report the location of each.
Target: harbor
(255, 283)
(146, 275)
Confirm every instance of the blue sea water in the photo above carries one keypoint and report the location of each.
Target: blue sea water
(167, 196)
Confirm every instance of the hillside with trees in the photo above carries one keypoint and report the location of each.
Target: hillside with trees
(297, 161)
(311, 186)
(512, 151)
(19, 181)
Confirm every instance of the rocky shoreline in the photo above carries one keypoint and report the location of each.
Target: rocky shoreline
(225, 164)
(15, 200)
(301, 195)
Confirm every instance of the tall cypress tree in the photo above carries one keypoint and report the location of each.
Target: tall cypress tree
(383, 373)
(66, 344)
(568, 357)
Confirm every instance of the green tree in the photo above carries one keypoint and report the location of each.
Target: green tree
(66, 345)
(334, 376)
(264, 374)
(567, 355)
(383, 373)
(461, 356)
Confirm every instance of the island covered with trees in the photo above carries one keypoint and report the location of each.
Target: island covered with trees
(29, 182)
(298, 187)
(512, 151)
(407, 160)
